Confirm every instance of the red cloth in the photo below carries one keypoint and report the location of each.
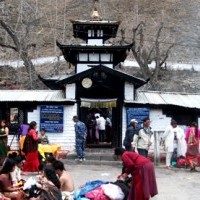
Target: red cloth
(32, 162)
(96, 194)
(143, 176)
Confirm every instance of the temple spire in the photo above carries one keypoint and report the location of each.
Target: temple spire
(95, 13)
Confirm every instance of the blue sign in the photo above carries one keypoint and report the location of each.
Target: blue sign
(137, 113)
(51, 118)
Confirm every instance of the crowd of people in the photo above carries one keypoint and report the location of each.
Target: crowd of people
(182, 149)
(99, 129)
(55, 182)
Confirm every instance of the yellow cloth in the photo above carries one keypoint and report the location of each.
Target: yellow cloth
(49, 148)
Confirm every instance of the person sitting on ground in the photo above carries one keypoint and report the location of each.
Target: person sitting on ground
(50, 160)
(6, 187)
(50, 185)
(67, 183)
(16, 174)
(43, 138)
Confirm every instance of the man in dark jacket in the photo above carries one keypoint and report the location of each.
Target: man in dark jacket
(130, 132)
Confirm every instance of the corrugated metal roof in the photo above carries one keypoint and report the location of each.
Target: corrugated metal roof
(168, 98)
(32, 95)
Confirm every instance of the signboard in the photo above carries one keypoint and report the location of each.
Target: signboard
(137, 113)
(51, 118)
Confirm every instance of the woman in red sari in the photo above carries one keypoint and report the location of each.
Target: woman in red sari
(143, 185)
(31, 149)
(192, 139)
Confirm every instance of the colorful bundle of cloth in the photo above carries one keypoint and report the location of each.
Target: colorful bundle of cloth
(98, 189)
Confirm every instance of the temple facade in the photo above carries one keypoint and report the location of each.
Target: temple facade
(95, 88)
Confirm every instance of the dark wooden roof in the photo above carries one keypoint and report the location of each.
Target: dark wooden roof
(122, 76)
(70, 52)
(81, 27)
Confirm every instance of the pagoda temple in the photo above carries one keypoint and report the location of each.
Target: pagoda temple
(97, 87)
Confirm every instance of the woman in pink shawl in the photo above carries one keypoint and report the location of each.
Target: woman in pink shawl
(192, 139)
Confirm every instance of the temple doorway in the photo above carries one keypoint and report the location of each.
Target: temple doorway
(96, 136)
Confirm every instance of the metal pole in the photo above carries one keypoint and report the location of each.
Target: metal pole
(156, 148)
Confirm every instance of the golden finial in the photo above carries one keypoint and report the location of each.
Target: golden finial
(95, 14)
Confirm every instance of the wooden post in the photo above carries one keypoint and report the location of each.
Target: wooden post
(156, 148)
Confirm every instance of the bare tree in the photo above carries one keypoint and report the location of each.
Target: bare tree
(145, 55)
(20, 41)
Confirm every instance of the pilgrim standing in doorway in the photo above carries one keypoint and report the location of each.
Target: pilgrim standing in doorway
(108, 130)
(101, 123)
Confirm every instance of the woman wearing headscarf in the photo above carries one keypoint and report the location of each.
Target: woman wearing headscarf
(192, 138)
(31, 149)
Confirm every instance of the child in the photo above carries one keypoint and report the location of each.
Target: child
(43, 138)
(16, 174)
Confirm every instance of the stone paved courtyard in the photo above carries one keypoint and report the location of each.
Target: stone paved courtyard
(177, 184)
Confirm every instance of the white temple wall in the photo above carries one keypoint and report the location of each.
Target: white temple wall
(129, 91)
(95, 42)
(159, 121)
(70, 91)
(65, 139)
(82, 67)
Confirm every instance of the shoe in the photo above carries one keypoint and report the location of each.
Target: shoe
(193, 170)
(169, 167)
(84, 159)
(80, 159)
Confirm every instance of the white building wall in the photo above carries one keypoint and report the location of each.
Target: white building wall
(95, 42)
(159, 122)
(70, 90)
(83, 67)
(129, 91)
(65, 139)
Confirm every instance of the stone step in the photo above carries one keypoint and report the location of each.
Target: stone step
(95, 156)
(92, 162)
(100, 150)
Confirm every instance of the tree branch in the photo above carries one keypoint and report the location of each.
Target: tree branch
(166, 55)
(11, 33)
(8, 46)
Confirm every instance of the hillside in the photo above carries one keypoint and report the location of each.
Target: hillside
(41, 23)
